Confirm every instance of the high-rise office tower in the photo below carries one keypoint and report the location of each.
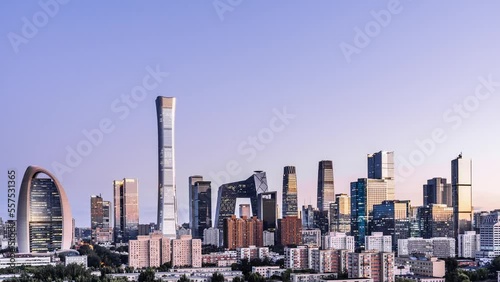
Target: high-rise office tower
(200, 210)
(126, 209)
(307, 217)
(99, 216)
(289, 196)
(245, 189)
(44, 220)
(461, 182)
(326, 191)
(268, 211)
(365, 193)
(167, 201)
(437, 191)
(381, 166)
(392, 218)
(192, 182)
(340, 214)
(436, 220)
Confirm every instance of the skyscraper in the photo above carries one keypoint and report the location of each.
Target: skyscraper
(289, 192)
(167, 201)
(126, 209)
(200, 209)
(392, 218)
(436, 220)
(267, 209)
(44, 221)
(381, 166)
(100, 213)
(326, 191)
(365, 193)
(230, 192)
(437, 191)
(340, 214)
(461, 181)
(192, 181)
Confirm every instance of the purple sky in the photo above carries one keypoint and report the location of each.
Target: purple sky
(229, 73)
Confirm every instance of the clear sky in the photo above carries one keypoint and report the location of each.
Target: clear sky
(63, 67)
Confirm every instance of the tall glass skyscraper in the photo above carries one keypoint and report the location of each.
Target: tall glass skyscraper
(381, 166)
(126, 209)
(438, 191)
(167, 201)
(461, 183)
(289, 192)
(365, 193)
(268, 210)
(200, 210)
(44, 221)
(326, 191)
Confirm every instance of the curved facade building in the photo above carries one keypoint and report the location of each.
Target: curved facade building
(44, 220)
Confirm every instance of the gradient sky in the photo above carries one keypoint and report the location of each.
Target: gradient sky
(228, 75)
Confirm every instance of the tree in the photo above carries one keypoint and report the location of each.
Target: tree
(183, 279)
(238, 279)
(286, 275)
(147, 276)
(462, 277)
(217, 277)
(451, 266)
(256, 277)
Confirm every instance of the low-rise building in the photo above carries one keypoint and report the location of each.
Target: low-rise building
(423, 266)
(80, 260)
(268, 271)
(252, 252)
(441, 247)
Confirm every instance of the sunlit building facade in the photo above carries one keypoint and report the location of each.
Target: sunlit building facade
(438, 191)
(167, 201)
(461, 181)
(126, 209)
(44, 221)
(326, 188)
(290, 206)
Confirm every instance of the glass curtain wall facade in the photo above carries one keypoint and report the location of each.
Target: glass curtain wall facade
(326, 189)
(289, 196)
(167, 201)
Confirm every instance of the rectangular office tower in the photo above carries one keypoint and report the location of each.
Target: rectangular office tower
(289, 196)
(167, 202)
(365, 193)
(200, 209)
(126, 209)
(326, 191)
(267, 209)
(461, 182)
(381, 166)
(437, 191)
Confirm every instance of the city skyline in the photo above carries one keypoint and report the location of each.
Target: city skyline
(232, 79)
